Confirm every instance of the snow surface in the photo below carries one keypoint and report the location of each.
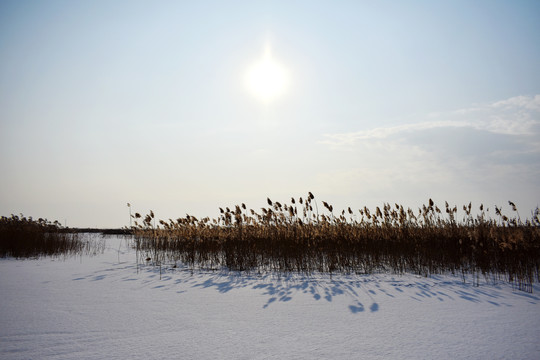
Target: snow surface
(102, 308)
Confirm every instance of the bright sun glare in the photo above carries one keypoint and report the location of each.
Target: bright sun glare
(267, 79)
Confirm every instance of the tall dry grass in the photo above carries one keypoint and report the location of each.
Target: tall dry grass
(23, 237)
(297, 237)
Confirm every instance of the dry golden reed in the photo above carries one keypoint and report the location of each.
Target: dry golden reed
(297, 237)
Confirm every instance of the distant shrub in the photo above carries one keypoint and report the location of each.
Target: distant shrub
(23, 237)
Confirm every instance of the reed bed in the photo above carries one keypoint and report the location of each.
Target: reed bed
(296, 237)
(23, 237)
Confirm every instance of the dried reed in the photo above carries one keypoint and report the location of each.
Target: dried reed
(293, 237)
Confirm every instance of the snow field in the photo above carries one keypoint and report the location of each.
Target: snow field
(102, 308)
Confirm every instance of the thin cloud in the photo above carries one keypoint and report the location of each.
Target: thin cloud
(487, 151)
(518, 115)
(386, 132)
(525, 102)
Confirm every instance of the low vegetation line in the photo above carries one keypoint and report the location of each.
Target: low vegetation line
(23, 237)
(297, 237)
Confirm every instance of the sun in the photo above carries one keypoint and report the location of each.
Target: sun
(267, 78)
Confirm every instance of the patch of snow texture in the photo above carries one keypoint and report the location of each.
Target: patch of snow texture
(102, 308)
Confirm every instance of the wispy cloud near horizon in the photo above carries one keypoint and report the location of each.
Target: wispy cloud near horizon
(485, 149)
(519, 115)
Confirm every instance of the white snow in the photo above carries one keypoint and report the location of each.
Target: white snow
(101, 308)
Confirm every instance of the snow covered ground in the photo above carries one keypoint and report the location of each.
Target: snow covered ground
(101, 308)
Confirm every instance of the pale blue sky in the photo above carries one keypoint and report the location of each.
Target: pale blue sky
(108, 102)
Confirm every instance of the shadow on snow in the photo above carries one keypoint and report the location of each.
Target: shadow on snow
(362, 291)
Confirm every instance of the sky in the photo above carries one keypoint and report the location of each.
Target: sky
(104, 103)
